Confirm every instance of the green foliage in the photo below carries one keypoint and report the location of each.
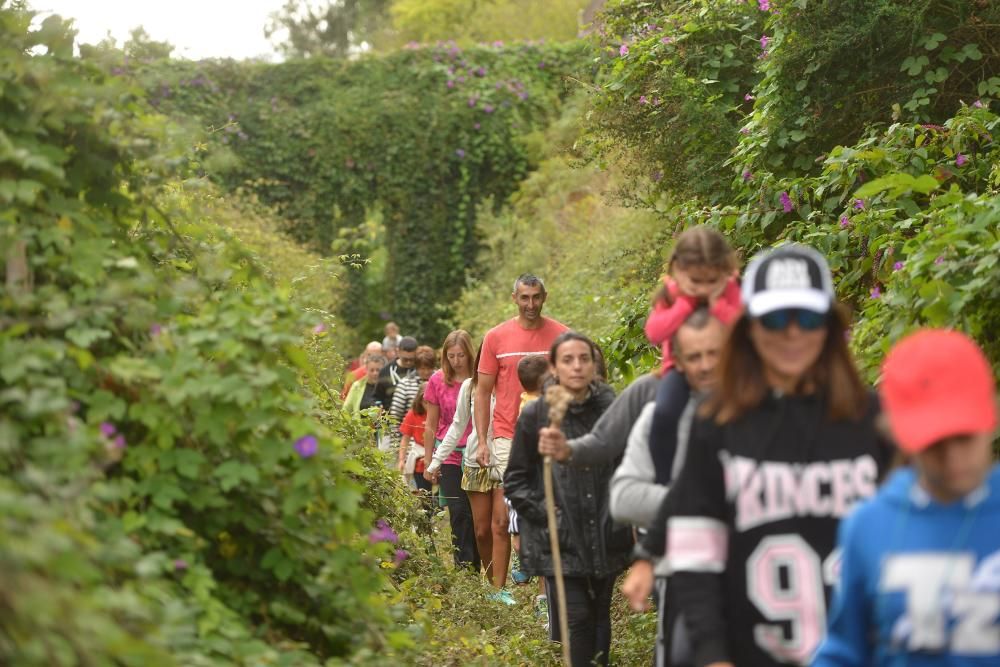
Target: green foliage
(157, 508)
(420, 137)
(304, 29)
(833, 69)
(468, 21)
(672, 89)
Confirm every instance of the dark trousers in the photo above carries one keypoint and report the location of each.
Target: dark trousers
(588, 611)
(463, 534)
(673, 647)
(671, 398)
(425, 488)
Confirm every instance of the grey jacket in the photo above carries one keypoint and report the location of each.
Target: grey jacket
(606, 441)
(635, 496)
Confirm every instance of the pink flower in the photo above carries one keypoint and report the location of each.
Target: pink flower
(450, 84)
(897, 266)
(623, 50)
(876, 292)
(748, 97)
(666, 40)
(643, 100)
(401, 555)
(747, 175)
(472, 102)
(119, 442)
(786, 202)
(844, 221)
(978, 104)
(180, 564)
(765, 5)
(155, 329)
(859, 204)
(744, 130)
(764, 41)
(939, 259)
(960, 160)
(319, 328)
(107, 429)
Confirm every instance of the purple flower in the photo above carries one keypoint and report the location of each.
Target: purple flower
(786, 202)
(643, 100)
(450, 84)
(960, 160)
(481, 71)
(541, 65)
(897, 266)
(489, 108)
(748, 97)
(319, 328)
(747, 175)
(107, 429)
(765, 5)
(859, 204)
(180, 564)
(876, 292)
(744, 130)
(764, 41)
(472, 102)
(498, 44)
(382, 532)
(623, 50)
(666, 40)
(978, 104)
(119, 442)
(401, 555)
(460, 153)
(657, 176)
(656, 101)
(476, 126)
(939, 259)
(306, 446)
(844, 221)
(155, 329)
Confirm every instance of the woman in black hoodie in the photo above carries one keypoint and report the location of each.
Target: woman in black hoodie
(594, 551)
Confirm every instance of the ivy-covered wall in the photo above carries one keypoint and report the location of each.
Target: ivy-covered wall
(419, 138)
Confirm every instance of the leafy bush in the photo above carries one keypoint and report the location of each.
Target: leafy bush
(170, 494)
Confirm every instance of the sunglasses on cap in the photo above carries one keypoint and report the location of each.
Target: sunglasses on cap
(808, 320)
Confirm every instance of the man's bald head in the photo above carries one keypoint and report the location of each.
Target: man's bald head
(696, 347)
(372, 349)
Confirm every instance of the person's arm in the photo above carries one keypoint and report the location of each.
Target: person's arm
(458, 425)
(404, 447)
(729, 305)
(664, 321)
(430, 429)
(635, 498)
(521, 484)
(484, 390)
(847, 642)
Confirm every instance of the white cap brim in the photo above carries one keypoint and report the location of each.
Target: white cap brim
(769, 301)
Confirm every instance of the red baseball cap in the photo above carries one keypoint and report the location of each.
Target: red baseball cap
(936, 384)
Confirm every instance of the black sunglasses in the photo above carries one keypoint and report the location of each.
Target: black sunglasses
(808, 320)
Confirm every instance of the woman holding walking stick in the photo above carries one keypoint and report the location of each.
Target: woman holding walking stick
(592, 550)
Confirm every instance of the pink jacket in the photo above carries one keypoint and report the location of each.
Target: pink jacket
(664, 321)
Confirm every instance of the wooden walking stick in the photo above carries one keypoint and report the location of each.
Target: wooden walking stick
(558, 400)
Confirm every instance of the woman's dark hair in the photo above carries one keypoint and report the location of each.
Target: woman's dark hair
(595, 351)
(418, 406)
(742, 385)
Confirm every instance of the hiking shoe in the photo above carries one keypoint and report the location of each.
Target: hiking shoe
(516, 574)
(502, 595)
(542, 610)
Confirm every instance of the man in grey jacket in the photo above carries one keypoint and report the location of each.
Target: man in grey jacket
(635, 496)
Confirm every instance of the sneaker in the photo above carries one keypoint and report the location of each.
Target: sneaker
(516, 574)
(502, 595)
(542, 610)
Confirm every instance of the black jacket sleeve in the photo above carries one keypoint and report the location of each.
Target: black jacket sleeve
(522, 483)
(698, 495)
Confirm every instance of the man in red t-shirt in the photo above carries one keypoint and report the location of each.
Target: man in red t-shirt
(503, 347)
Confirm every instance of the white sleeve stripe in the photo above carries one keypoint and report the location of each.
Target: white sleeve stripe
(697, 544)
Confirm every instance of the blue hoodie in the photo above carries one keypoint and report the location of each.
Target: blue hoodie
(919, 580)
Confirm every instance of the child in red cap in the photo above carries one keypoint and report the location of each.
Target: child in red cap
(920, 570)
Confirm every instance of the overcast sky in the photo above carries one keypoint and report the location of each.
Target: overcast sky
(197, 28)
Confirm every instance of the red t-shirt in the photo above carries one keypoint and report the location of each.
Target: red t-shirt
(503, 347)
(413, 426)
